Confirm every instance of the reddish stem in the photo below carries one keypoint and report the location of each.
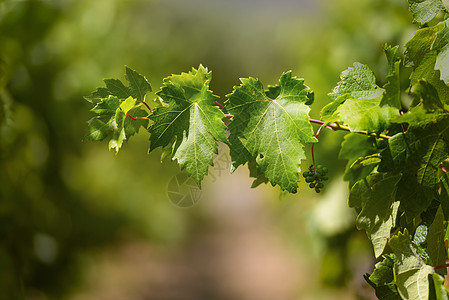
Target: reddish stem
(313, 145)
(443, 168)
(219, 104)
(316, 121)
(228, 115)
(149, 108)
(321, 122)
(441, 266)
(137, 118)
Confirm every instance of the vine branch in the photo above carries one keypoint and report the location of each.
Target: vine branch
(336, 126)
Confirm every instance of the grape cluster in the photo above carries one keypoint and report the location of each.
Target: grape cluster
(315, 177)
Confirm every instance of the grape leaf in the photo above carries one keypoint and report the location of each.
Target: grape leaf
(444, 196)
(255, 173)
(97, 95)
(440, 291)
(329, 112)
(138, 87)
(417, 154)
(425, 10)
(435, 241)
(357, 81)
(98, 128)
(383, 272)
(113, 104)
(392, 96)
(352, 148)
(138, 84)
(420, 240)
(441, 45)
(420, 55)
(423, 92)
(375, 196)
(356, 102)
(189, 121)
(273, 131)
(410, 271)
(382, 278)
(112, 121)
(366, 114)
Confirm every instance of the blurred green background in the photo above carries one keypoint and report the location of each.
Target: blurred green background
(78, 222)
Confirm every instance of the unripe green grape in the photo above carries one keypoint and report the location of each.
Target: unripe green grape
(320, 185)
(309, 179)
(317, 190)
(305, 174)
(312, 185)
(325, 170)
(325, 178)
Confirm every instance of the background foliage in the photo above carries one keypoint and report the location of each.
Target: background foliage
(64, 201)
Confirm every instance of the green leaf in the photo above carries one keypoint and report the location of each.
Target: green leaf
(440, 291)
(375, 196)
(369, 160)
(421, 55)
(423, 92)
(356, 102)
(103, 125)
(357, 81)
(392, 96)
(255, 173)
(112, 121)
(117, 88)
(119, 132)
(383, 272)
(444, 196)
(417, 154)
(98, 129)
(352, 148)
(425, 10)
(138, 87)
(366, 114)
(414, 198)
(133, 126)
(420, 240)
(97, 95)
(188, 121)
(441, 45)
(107, 107)
(138, 84)
(113, 104)
(118, 135)
(410, 271)
(382, 278)
(272, 131)
(435, 241)
(328, 112)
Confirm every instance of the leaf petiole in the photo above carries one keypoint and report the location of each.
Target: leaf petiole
(137, 118)
(146, 104)
(219, 104)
